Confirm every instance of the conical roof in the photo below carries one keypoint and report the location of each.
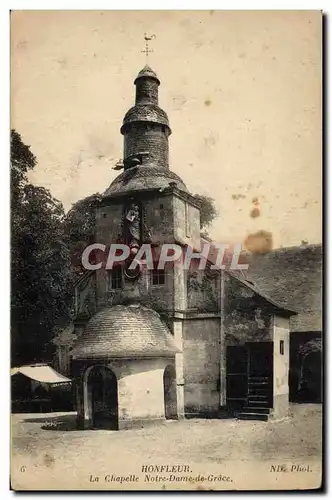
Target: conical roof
(147, 72)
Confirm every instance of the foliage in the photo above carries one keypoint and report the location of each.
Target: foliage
(40, 264)
(208, 212)
(314, 345)
(79, 228)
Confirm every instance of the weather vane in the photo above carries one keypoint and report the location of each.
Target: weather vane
(147, 40)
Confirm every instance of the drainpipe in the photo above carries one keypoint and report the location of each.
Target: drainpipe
(222, 342)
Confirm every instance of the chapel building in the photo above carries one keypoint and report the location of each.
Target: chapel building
(156, 344)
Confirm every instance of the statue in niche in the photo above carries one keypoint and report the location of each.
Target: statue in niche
(133, 229)
(133, 223)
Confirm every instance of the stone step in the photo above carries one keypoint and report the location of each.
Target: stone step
(256, 409)
(258, 377)
(258, 404)
(253, 416)
(258, 396)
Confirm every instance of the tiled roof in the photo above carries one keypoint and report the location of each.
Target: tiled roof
(147, 72)
(293, 277)
(146, 113)
(122, 331)
(144, 177)
(252, 286)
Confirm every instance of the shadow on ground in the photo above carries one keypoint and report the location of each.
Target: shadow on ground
(55, 423)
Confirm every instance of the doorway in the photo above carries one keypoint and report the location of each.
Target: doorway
(260, 374)
(236, 376)
(102, 391)
(249, 375)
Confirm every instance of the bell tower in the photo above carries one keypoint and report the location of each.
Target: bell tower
(145, 126)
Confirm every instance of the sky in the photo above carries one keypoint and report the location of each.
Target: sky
(242, 90)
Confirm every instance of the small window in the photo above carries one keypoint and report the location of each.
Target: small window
(158, 276)
(282, 347)
(115, 279)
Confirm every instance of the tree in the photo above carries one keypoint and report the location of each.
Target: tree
(40, 264)
(208, 212)
(79, 228)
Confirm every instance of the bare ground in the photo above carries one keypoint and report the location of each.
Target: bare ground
(43, 441)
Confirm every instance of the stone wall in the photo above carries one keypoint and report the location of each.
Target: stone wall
(108, 222)
(141, 137)
(203, 289)
(146, 91)
(201, 366)
(160, 218)
(245, 317)
(186, 223)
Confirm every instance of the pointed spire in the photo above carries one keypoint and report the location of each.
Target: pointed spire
(147, 72)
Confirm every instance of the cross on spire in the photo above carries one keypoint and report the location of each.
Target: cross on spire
(147, 40)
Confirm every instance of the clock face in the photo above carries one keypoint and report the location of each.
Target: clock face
(134, 272)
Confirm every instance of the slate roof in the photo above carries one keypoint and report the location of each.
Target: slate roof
(293, 277)
(125, 331)
(144, 177)
(147, 72)
(145, 113)
(281, 309)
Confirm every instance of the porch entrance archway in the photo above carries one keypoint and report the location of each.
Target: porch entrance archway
(101, 398)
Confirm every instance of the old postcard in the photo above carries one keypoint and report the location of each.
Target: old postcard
(166, 249)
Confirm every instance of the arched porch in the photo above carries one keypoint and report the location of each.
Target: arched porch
(100, 397)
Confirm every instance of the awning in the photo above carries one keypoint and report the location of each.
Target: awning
(41, 373)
